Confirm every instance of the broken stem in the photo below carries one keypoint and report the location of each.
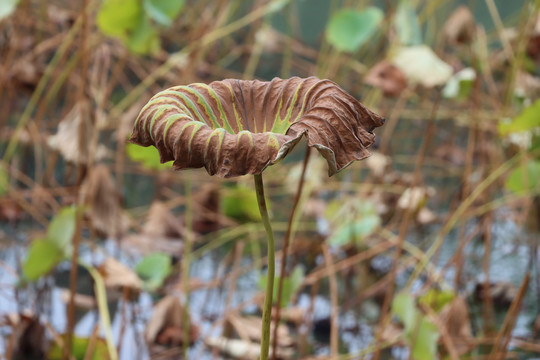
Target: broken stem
(267, 308)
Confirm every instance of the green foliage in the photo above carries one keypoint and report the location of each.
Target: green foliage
(524, 178)
(163, 11)
(62, 228)
(354, 221)
(80, 346)
(349, 29)
(240, 203)
(131, 21)
(407, 25)
(420, 333)
(7, 7)
(153, 269)
(436, 299)
(460, 85)
(291, 284)
(527, 120)
(147, 156)
(44, 254)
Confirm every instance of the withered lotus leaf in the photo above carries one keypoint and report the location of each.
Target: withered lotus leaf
(235, 127)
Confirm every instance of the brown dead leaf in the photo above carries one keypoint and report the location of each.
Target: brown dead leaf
(240, 349)
(455, 317)
(28, 339)
(99, 193)
(295, 315)
(502, 293)
(165, 326)
(378, 163)
(388, 77)
(206, 215)
(118, 276)
(249, 327)
(85, 302)
(66, 139)
(528, 85)
(415, 198)
(161, 222)
(459, 28)
(451, 153)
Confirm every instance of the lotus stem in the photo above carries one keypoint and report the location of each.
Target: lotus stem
(267, 308)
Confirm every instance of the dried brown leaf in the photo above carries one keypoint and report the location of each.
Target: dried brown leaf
(459, 28)
(66, 139)
(118, 276)
(388, 77)
(455, 317)
(165, 326)
(234, 127)
(99, 193)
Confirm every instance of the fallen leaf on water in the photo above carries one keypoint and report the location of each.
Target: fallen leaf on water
(249, 327)
(240, 349)
(118, 276)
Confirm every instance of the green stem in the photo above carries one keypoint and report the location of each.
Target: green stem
(186, 262)
(267, 309)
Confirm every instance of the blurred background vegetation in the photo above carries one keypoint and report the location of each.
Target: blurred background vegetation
(426, 250)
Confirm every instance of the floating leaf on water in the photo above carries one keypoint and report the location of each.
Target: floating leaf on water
(349, 29)
(240, 349)
(80, 347)
(421, 65)
(118, 276)
(153, 269)
(407, 24)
